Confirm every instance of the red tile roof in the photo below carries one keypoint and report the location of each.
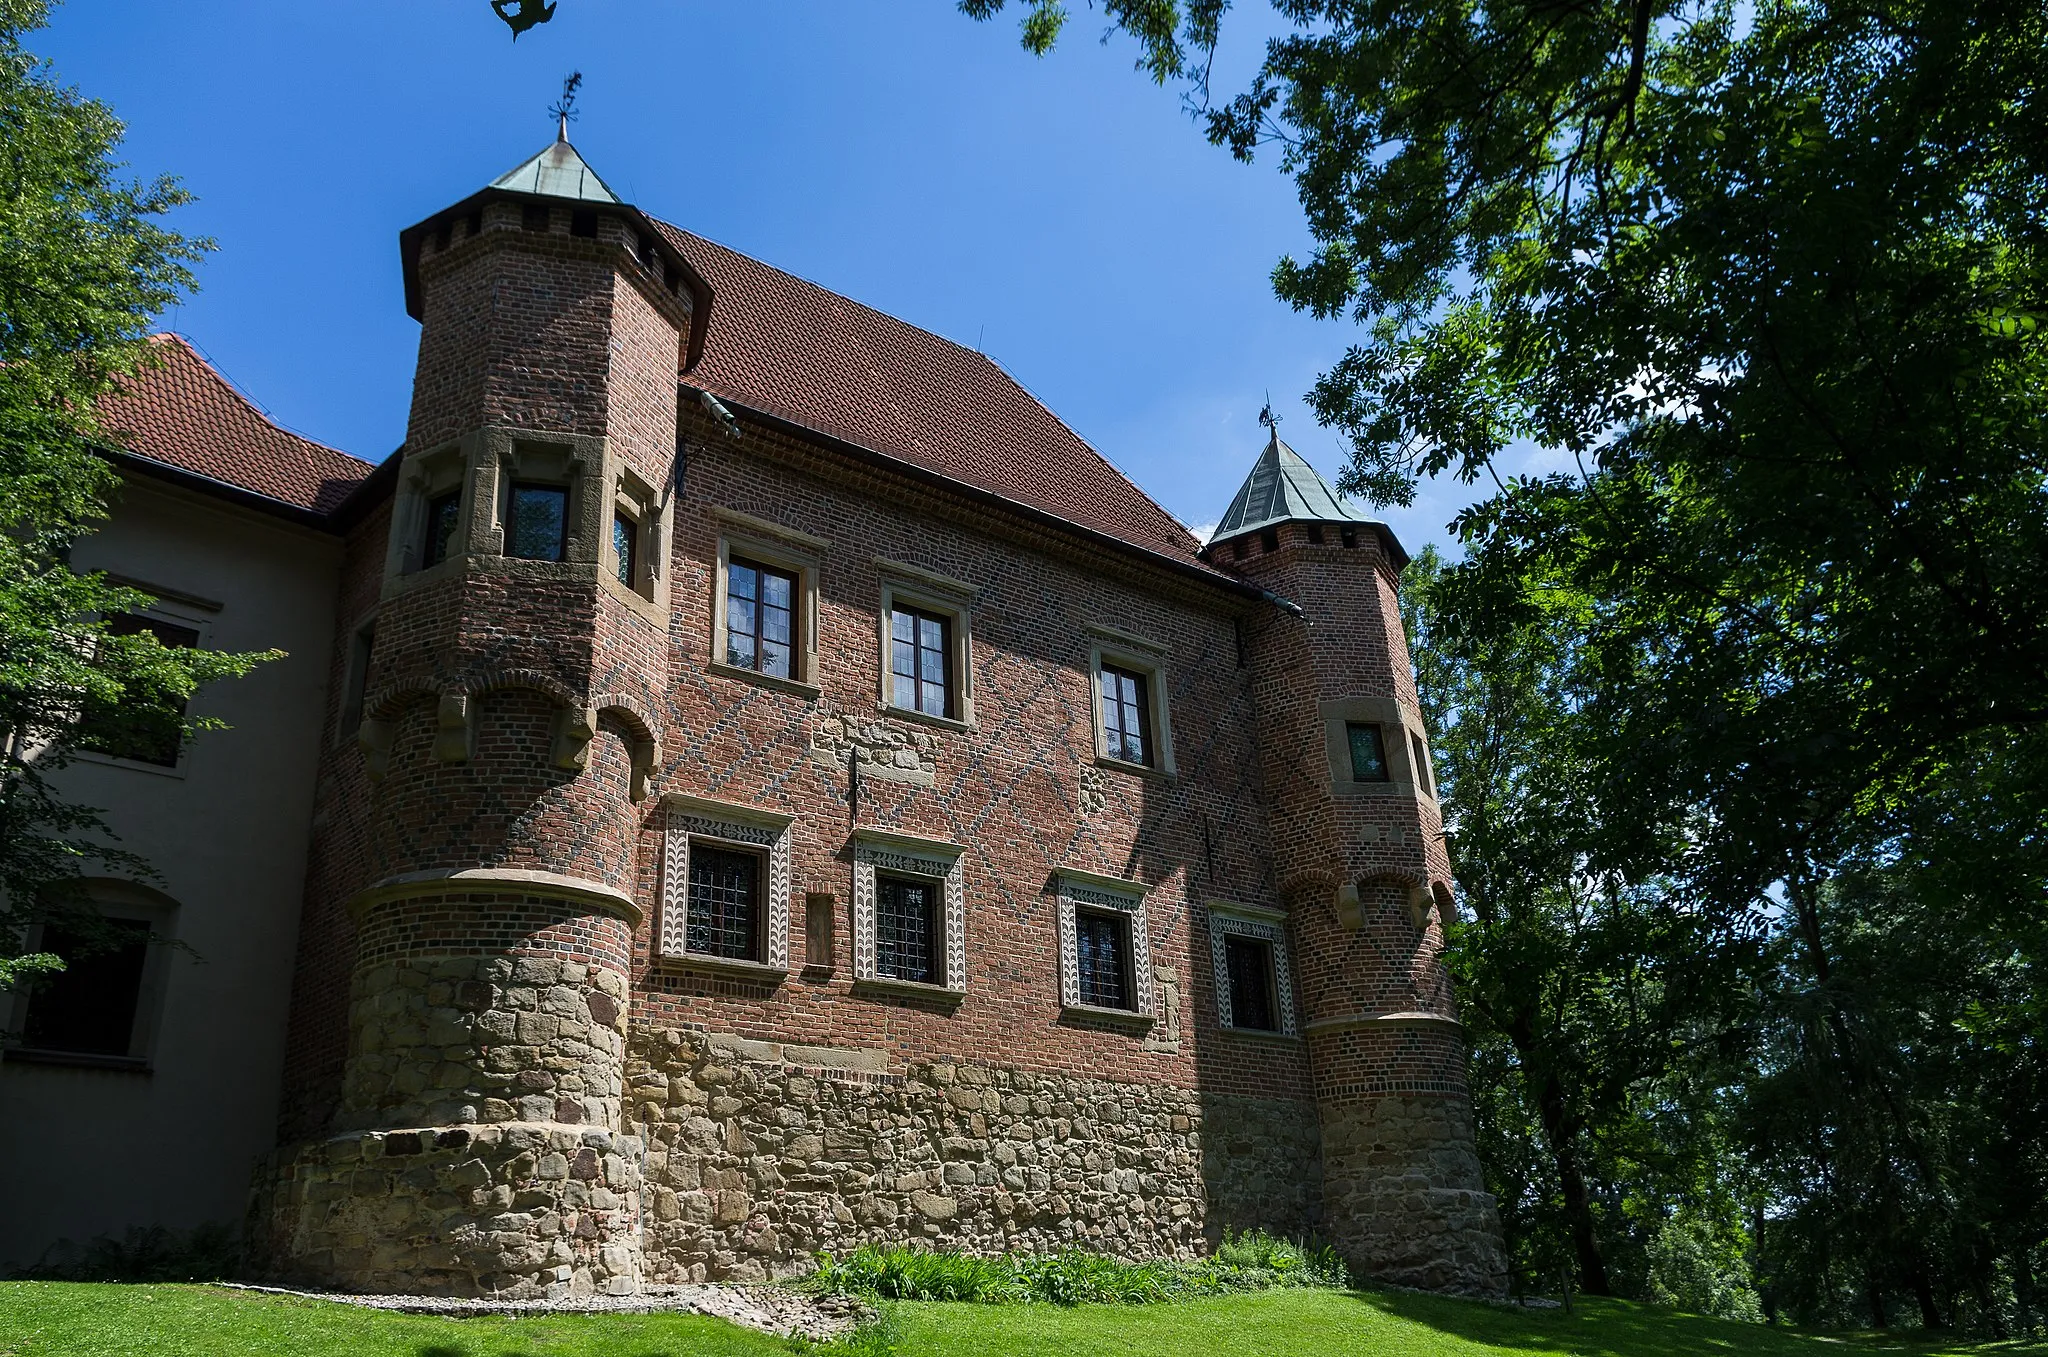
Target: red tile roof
(794, 350)
(180, 412)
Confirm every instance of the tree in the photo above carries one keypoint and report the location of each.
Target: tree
(84, 266)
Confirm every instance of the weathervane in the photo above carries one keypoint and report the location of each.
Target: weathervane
(564, 108)
(1266, 415)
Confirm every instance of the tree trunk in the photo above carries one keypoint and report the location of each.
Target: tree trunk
(1578, 1202)
(1923, 1291)
(1878, 1318)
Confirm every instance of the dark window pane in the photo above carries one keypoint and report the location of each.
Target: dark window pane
(1368, 754)
(1421, 764)
(625, 537)
(1099, 939)
(1250, 964)
(443, 513)
(918, 660)
(904, 929)
(760, 618)
(724, 889)
(138, 728)
(90, 1006)
(537, 525)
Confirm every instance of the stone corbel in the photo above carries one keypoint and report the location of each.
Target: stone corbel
(646, 756)
(373, 738)
(1420, 902)
(575, 727)
(453, 719)
(1350, 911)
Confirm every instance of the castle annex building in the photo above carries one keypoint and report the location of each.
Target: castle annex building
(746, 780)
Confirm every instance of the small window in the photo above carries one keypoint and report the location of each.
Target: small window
(760, 618)
(474, 226)
(534, 217)
(443, 513)
(361, 645)
(143, 730)
(89, 1007)
(1102, 945)
(1237, 549)
(441, 236)
(725, 900)
(919, 662)
(583, 222)
(1126, 716)
(1250, 964)
(1348, 536)
(626, 547)
(1421, 764)
(1368, 752)
(1269, 539)
(1315, 534)
(905, 913)
(537, 521)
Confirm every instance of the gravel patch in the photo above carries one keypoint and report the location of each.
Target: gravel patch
(770, 1309)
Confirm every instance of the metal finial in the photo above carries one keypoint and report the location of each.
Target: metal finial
(1267, 417)
(564, 108)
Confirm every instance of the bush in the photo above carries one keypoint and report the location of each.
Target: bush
(1251, 1261)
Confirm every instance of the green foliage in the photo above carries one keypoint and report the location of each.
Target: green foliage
(1250, 1261)
(1700, 1266)
(205, 1253)
(84, 266)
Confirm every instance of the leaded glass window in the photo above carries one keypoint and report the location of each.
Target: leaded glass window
(1126, 718)
(1099, 941)
(906, 941)
(1250, 964)
(625, 547)
(725, 898)
(918, 662)
(760, 618)
(443, 513)
(1368, 753)
(537, 521)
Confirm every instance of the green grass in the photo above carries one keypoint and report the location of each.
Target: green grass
(44, 1319)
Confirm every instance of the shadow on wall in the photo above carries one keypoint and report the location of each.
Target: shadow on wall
(149, 1253)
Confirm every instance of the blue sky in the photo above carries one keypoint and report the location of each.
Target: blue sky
(1064, 214)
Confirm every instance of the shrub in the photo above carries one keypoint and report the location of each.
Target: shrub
(1251, 1261)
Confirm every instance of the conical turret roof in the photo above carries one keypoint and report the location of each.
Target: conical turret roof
(558, 172)
(1281, 487)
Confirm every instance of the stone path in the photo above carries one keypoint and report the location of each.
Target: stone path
(771, 1309)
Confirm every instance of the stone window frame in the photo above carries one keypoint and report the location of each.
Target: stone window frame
(785, 548)
(942, 595)
(114, 899)
(1227, 918)
(1402, 738)
(642, 504)
(1139, 655)
(728, 824)
(1082, 889)
(900, 854)
(179, 610)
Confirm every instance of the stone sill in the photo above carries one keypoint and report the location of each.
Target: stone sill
(1134, 769)
(1263, 1034)
(942, 722)
(810, 691)
(751, 970)
(1124, 1017)
(123, 1064)
(889, 987)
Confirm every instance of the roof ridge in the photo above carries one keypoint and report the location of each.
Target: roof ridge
(212, 369)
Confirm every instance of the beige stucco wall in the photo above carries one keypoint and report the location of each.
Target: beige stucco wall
(85, 1151)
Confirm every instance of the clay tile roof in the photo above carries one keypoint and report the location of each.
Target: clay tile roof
(794, 350)
(182, 413)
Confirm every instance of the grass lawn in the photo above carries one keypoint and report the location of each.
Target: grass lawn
(44, 1319)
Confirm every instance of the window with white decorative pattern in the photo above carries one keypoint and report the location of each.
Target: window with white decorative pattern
(1105, 950)
(725, 886)
(909, 915)
(1254, 983)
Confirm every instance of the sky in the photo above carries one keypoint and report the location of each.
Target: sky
(1064, 214)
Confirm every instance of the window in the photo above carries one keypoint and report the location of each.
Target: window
(443, 513)
(1348, 536)
(89, 1007)
(918, 662)
(361, 646)
(1422, 780)
(145, 727)
(625, 547)
(760, 618)
(534, 217)
(1249, 962)
(1269, 539)
(1104, 960)
(1315, 534)
(1368, 752)
(1126, 720)
(725, 900)
(903, 929)
(536, 521)
(583, 222)
(725, 886)
(1248, 948)
(1105, 956)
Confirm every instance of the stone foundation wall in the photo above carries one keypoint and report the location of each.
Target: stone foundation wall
(760, 1155)
(515, 1211)
(1405, 1197)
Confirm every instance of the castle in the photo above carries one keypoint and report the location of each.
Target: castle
(745, 780)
